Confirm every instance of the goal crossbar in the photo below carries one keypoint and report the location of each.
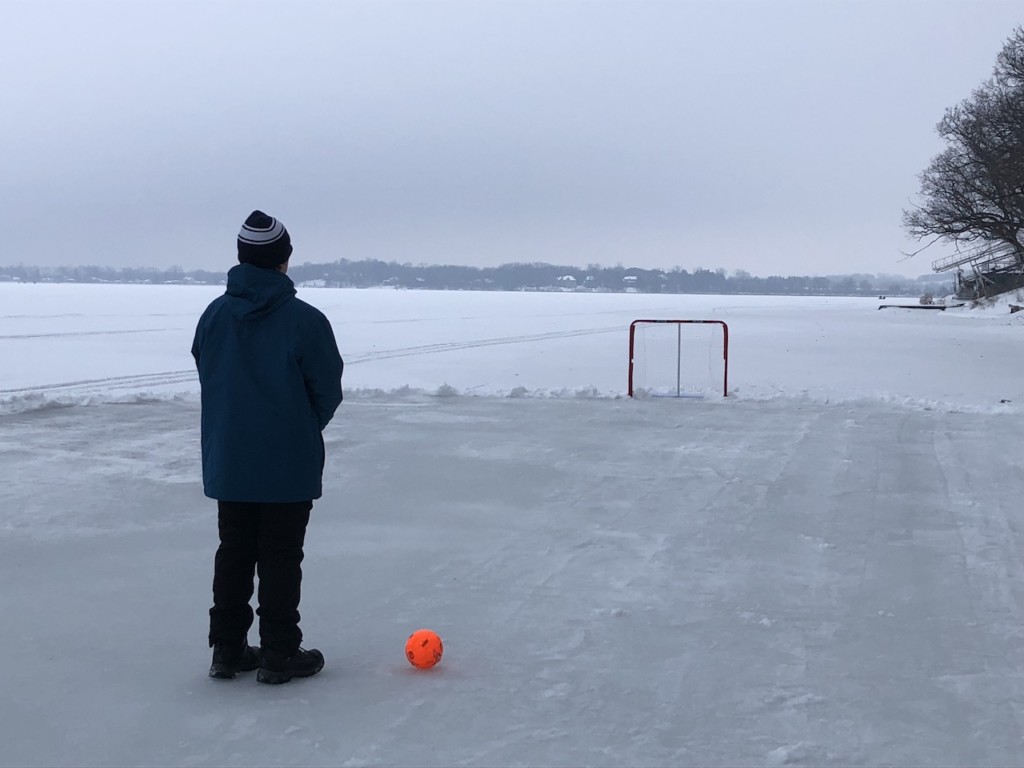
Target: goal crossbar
(680, 323)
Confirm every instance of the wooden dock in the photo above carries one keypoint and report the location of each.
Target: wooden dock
(939, 307)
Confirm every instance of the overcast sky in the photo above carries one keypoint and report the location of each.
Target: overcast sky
(772, 136)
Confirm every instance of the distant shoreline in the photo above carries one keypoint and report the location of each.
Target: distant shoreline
(535, 277)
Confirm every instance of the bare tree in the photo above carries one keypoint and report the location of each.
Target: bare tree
(1009, 69)
(973, 191)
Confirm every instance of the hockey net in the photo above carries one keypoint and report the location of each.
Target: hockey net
(678, 358)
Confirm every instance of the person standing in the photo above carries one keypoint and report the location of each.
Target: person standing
(270, 378)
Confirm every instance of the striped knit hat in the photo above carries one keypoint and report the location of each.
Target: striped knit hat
(263, 241)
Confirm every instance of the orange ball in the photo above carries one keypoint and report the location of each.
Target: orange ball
(424, 649)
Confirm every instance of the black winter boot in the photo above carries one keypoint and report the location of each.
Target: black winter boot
(276, 668)
(229, 660)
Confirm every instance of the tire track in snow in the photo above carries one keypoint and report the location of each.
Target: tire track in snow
(63, 334)
(164, 378)
(94, 386)
(454, 346)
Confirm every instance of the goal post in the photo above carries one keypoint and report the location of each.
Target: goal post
(678, 358)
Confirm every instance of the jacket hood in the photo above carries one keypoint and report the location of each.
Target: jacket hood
(254, 292)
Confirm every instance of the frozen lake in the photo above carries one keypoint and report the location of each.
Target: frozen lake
(824, 568)
(66, 341)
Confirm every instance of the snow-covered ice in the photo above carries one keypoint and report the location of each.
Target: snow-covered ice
(824, 568)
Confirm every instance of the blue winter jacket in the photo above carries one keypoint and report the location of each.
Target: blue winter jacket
(270, 373)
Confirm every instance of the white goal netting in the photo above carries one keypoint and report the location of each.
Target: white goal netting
(678, 358)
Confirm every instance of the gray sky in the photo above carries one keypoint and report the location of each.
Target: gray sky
(772, 136)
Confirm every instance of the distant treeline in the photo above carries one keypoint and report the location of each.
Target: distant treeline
(514, 277)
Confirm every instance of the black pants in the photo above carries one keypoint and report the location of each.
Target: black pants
(266, 539)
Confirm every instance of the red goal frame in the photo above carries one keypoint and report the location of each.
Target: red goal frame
(725, 347)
